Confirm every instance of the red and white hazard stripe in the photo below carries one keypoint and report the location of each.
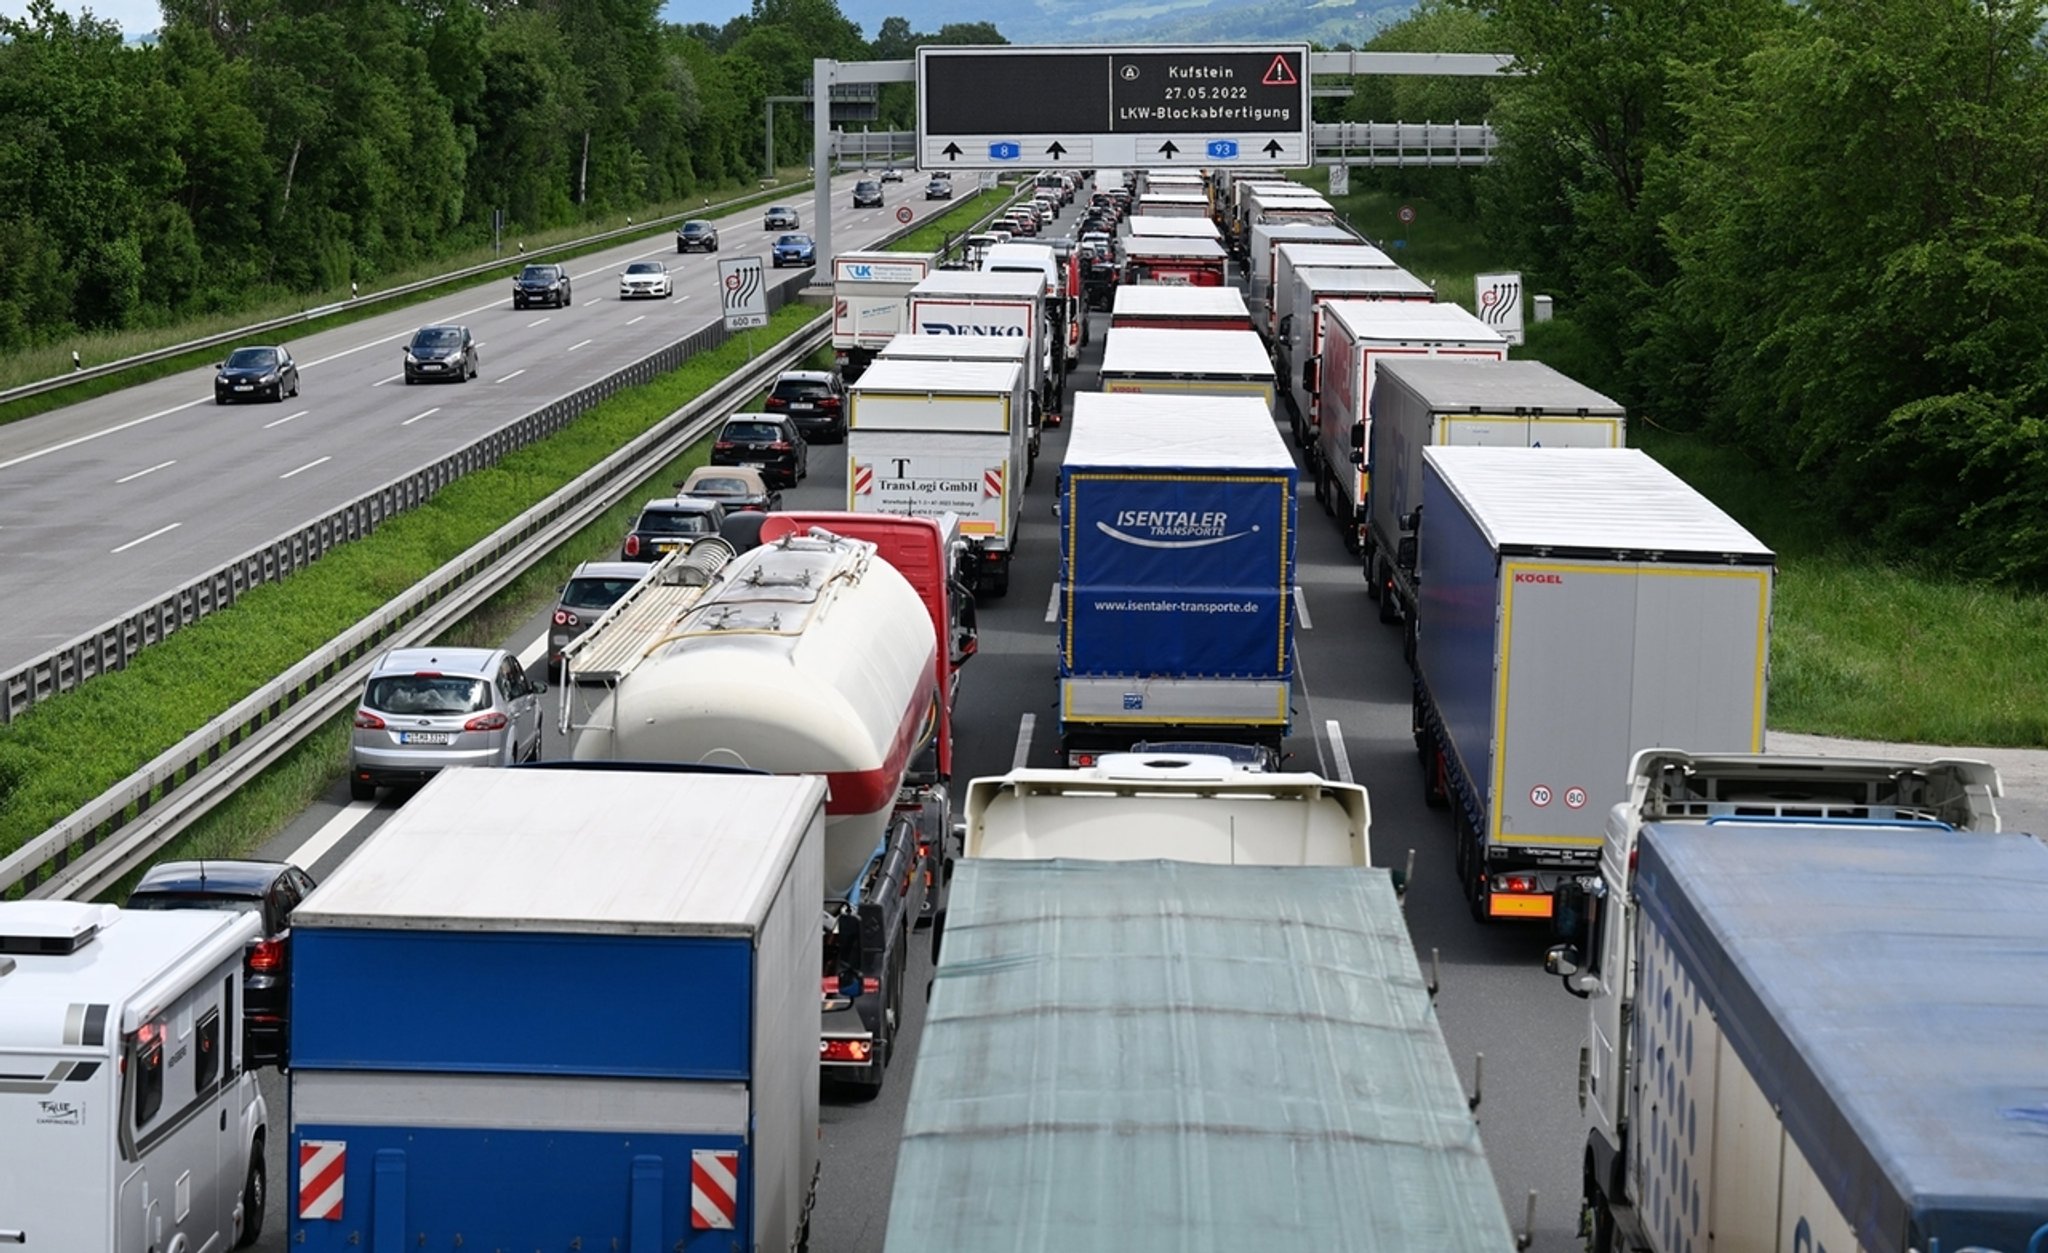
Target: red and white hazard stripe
(714, 1189)
(863, 480)
(992, 482)
(322, 1165)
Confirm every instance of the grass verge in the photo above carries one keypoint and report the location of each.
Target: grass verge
(965, 214)
(66, 751)
(48, 362)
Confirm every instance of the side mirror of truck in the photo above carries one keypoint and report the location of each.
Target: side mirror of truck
(1287, 326)
(1358, 437)
(1404, 553)
(1308, 375)
(1564, 960)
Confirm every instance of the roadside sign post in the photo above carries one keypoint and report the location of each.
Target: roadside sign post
(1243, 106)
(743, 294)
(1499, 300)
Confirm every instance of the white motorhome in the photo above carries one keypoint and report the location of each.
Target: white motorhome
(128, 1121)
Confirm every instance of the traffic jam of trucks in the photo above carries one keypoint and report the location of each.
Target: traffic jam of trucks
(1814, 986)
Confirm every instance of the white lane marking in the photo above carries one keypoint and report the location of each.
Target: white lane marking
(281, 421)
(1052, 604)
(515, 374)
(530, 656)
(393, 379)
(302, 469)
(162, 530)
(531, 325)
(417, 416)
(574, 347)
(152, 470)
(331, 833)
(641, 318)
(1339, 756)
(1301, 609)
(86, 439)
(593, 300)
(1022, 753)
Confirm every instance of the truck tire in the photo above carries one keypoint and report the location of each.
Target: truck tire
(1323, 491)
(1390, 604)
(255, 1196)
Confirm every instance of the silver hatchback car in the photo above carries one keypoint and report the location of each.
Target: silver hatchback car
(423, 709)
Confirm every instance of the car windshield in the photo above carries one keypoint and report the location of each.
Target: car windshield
(145, 898)
(427, 694)
(721, 487)
(867, 184)
(759, 432)
(781, 211)
(794, 241)
(251, 358)
(437, 337)
(644, 267)
(696, 228)
(673, 522)
(592, 592)
(538, 273)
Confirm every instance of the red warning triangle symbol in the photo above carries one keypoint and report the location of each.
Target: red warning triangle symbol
(1280, 74)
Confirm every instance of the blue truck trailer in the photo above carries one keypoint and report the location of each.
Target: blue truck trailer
(558, 1009)
(1176, 609)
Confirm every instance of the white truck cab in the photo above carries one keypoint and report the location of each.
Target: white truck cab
(128, 1121)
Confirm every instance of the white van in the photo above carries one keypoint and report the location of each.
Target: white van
(127, 1119)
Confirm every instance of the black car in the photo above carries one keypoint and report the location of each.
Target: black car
(939, 189)
(697, 236)
(541, 285)
(254, 374)
(867, 194)
(815, 400)
(441, 352)
(271, 888)
(767, 442)
(664, 524)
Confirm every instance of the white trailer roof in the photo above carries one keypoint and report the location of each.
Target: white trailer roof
(1130, 430)
(1144, 350)
(1587, 499)
(1380, 280)
(1410, 322)
(1173, 228)
(950, 378)
(1451, 384)
(1173, 300)
(957, 348)
(1136, 246)
(980, 283)
(1277, 194)
(584, 851)
(1333, 254)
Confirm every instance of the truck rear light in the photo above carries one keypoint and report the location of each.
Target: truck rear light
(493, 721)
(870, 985)
(266, 956)
(857, 1051)
(992, 556)
(1082, 761)
(1516, 883)
(367, 721)
(632, 546)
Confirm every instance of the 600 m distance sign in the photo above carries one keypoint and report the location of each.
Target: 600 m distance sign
(1199, 105)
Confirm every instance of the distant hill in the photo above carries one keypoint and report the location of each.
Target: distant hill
(1127, 21)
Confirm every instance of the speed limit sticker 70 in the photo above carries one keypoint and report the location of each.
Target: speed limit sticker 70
(1539, 796)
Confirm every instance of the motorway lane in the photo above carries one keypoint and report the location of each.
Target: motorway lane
(113, 503)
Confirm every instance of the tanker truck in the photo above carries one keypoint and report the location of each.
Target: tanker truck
(811, 654)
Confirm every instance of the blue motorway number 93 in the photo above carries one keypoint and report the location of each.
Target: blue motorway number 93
(1005, 151)
(1222, 149)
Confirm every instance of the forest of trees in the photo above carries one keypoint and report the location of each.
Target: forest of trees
(260, 147)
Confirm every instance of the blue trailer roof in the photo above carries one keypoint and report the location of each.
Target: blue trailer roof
(1160, 1057)
(1888, 989)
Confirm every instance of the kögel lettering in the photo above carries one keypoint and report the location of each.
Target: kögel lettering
(1524, 577)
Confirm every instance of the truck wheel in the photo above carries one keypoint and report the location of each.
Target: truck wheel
(255, 1195)
(999, 586)
(1390, 605)
(1408, 642)
(1323, 491)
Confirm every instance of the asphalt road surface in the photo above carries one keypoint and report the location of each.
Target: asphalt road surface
(113, 503)
(1494, 1000)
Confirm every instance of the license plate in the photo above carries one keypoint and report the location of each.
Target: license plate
(431, 365)
(667, 546)
(245, 387)
(801, 408)
(426, 737)
(753, 465)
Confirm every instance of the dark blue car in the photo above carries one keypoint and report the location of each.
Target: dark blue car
(795, 250)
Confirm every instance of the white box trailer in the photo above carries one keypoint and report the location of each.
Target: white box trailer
(1156, 306)
(1357, 336)
(1841, 1041)
(1574, 606)
(1291, 255)
(1183, 362)
(1000, 305)
(1173, 227)
(912, 347)
(1175, 806)
(1174, 203)
(130, 1120)
(1298, 346)
(1181, 261)
(1420, 403)
(871, 302)
(1267, 236)
(929, 438)
(1237, 204)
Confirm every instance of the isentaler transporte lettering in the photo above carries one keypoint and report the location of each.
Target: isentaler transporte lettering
(1177, 606)
(1179, 523)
